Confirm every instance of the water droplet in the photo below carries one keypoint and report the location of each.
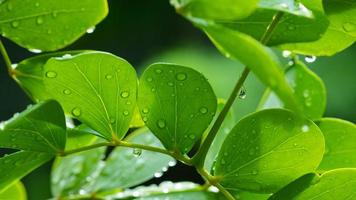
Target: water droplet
(149, 79)
(51, 74)
(54, 14)
(295, 144)
(37, 4)
(67, 92)
(306, 93)
(91, 29)
(35, 50)
(349, 26)
(291, 27)
(286, 53)
(254, 172)
(242, 93)
(9, 6)
(305, 128)
(191, 136)
(112, 120)
(144, 119)
(158, 71)
(158, 174)
(15, 24)
(108, 76)
(66, 56)
(223, 162)
(125, 94)
(136, 152)
(153, 89)
(181, 76)
(76, 112)
(161, 123)
(310, 59)
(126, 113)
(308, 103)
(170, 84)
(203, 110)
(172, 163)
(39, 20)
(145, 110)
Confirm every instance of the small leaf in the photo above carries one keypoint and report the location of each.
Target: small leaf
(49, 25)
(17, 165)
(15, 192)
(308, 88)
(97, 88)
(177, 104)
(136, 165)
(340, 147)
(29, 74)
(217, 9)
(35, 130)
(340, 34)
(336, 184)
(267, 150)
(255, 56)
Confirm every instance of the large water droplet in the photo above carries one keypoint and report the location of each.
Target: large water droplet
(125, 94)
(203, 110)
(91, 29)
(158, 174)
(76, 112)
(51, 74)
(172, 163)
(136, 152)
(286, 53)
(310, 59)
(39, 20)
(305, 128)
(349, 27)
(161, 123)
(35, 50)
(181, 76)
(242, 93)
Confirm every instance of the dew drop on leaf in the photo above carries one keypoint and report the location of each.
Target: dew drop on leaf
(35, 50)
(158, 71)
(76, 112)
(203, 110)
(149, 79)
(91, 30)
(126, 113)
(172, 163)
(191, 136)
(39, 20)
(158, 174)
(181, 76)
(67, 92)
(108, 77)
(145, 110)
(310, 59)
(161, 123)
(254, 172)
(51, 74)
(15, 24)
(286, 53)
(136, 152)
(242, 93)
(305, 128)
(125, 94)
(170, 84)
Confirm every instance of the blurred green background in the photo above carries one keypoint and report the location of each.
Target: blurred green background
(144, 32)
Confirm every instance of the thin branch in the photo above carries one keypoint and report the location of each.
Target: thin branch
(6, 57)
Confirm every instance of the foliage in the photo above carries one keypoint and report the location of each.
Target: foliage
(132, 130)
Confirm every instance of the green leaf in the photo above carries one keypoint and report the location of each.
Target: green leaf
(36, 130)
(15, 192)
(291, 28)
(137, 121)
(71, 174)
(196, 195)
(97, 88)
(308, 88)
(267, 150)
(336, 184)
(340, 147)
(177, 104)
(288, 6)
(29, 74)
(217, 9)
(260, 59)
(244, 195)
(340, 34)
(17, 165)
(44, 25)
(136, 165)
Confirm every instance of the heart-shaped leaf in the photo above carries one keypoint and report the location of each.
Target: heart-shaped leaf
(35, 130)
(97, 88)
(340, 146)
(308, 89)
(49, 25)
(267, 150)
(177, 104)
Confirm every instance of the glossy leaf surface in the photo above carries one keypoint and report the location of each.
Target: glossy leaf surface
(97, 88)
(15, 192)
(44, 25)
(177, 104)
(267, 150)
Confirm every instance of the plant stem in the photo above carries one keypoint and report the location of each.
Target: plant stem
(6, 58)
(86, 148)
